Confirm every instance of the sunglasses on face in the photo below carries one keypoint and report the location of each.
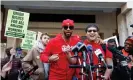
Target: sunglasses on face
(92, 30)
(70, 27)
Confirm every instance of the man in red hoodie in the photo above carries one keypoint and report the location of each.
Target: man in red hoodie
(58, 53)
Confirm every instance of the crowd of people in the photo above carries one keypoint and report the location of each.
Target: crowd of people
(54, 57)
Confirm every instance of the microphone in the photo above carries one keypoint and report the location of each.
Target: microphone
(79, 44)
(90, 49)
(75, 49)
(83, 49)
(98, 53)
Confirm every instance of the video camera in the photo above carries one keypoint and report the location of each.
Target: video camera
(119, 55)
(26, 76)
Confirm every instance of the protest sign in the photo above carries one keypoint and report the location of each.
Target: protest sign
(39, 35)
(29, 40)
(17, 23)
(113, 37)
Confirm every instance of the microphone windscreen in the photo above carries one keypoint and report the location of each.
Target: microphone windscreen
(74, 48)
(79, 44)
(98, 52)
(89, 47)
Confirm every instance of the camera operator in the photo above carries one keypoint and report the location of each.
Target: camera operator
(124, 60)
(128, 52)
(115, 74)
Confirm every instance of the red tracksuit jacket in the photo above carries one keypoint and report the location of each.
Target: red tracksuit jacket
(59, 70)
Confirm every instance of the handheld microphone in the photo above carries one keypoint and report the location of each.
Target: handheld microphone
(98, 53)
(83, 49)
(90, 50)
(75, 49)
(79, 44)
(89, 47)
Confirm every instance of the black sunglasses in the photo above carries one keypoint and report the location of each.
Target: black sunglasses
(92, 30)
(70, 27)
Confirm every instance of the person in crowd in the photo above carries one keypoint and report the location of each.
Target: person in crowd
(126, 72)
(10, 65)
(115, 74)
(92, 36)
(33, 58)
(58, 53)
(111, 43)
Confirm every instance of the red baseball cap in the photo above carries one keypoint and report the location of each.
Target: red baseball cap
(68, 22)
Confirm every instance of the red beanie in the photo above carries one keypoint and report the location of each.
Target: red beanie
(68, 22)
(130, 38)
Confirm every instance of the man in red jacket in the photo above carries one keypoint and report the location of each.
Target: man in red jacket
(58, 53)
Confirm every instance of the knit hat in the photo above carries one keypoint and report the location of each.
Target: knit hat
(130, 38)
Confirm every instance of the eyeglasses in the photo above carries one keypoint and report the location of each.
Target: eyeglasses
(70, 27)
(92, 30)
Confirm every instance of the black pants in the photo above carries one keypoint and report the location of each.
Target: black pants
(13, 75)
(122, 73)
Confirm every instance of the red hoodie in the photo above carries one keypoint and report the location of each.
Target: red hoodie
(59, 70)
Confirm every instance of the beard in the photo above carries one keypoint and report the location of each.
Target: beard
(67, 35)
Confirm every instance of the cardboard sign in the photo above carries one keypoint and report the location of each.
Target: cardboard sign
(29, 40)
(113, 37)
(39, 35)
(17, 23)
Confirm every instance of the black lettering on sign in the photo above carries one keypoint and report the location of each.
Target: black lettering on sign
(28, 41)
(16, 26)
(14, 21)
(15, 30)
(31, 38)
(21, 22)
(27, 37)
(18, 13)
(29, 34)
(17, 17)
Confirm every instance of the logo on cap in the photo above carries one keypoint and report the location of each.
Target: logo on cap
(67, 22)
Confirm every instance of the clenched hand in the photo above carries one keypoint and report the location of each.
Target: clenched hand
(53, 58)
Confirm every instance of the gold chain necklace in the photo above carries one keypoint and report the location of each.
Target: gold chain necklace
(67, 43)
